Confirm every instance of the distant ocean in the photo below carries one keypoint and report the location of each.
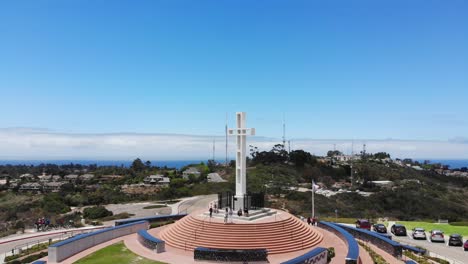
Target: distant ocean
(126, 163)
(453, 164)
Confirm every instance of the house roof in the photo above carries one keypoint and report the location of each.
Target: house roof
(192, 170)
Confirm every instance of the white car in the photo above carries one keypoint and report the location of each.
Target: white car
(437, 236)
(419, 233)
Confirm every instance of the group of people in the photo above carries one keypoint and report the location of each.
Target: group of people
(42, 224)
(228, 214)
(312, 221)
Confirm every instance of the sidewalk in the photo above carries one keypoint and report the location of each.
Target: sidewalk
(52, 232)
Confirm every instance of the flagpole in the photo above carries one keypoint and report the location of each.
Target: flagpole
(313, 200)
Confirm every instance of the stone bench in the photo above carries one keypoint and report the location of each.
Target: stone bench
(151, 242)
(230, 255)
(317, 256)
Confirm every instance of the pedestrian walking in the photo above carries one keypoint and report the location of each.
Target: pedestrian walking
(226, 216)
(211, 212)
(309, 221)
(230, 215)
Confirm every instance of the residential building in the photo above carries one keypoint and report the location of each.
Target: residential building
(30, 187)
(3, 180)
(71, 178)
(157, 180)
(27, 176)
(214, 177)
(45, 178)
(190, 171)
(52, 186)
(87, 177)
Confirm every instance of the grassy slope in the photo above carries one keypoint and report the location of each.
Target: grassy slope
(116, 253)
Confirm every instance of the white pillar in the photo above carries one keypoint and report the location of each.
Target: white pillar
(241, 151)
(241, 187)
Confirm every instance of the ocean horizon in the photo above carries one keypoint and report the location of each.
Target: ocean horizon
(126, 163)
(452, 163)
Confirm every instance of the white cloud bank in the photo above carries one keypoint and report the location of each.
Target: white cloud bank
(40, 144)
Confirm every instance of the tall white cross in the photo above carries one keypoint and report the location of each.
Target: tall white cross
(241, 141)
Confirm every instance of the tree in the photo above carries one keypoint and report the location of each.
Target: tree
(53, 203)
(148, 164)
(211, 165)
(381, 155)
(96, 212)
(333, 153)
(301, 157)
(276, 155)
(137, 165)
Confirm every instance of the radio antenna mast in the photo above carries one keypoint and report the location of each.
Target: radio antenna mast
(226, 132)
(284, 132)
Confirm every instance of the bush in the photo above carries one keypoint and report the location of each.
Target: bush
(53, 203)
(19, 225)
(330, 254)
(96, 212)
(158, 224)
(459, 223)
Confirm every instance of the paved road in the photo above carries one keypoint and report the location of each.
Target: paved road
(456, 254)
(22, 241)
(197, 203)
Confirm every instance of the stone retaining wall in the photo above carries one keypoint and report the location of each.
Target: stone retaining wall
(67, 248)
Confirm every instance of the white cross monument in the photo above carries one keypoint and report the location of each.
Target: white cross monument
(241, 142)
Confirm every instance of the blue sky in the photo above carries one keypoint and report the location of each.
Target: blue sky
(336, 69)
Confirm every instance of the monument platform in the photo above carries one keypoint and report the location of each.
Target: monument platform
(279, 233)
(253, 214)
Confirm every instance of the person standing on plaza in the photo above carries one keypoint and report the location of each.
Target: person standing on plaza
(230, 215)
(226, 216)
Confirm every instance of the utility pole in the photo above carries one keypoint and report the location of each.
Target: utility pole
(284, 132)
(226, 132)
(214, 149)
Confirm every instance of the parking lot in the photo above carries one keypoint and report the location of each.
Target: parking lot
(441, 250)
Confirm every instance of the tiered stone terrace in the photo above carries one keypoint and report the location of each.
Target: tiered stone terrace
(281, 233)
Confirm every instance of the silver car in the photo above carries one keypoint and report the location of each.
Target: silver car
(419, 233)
(437, 236)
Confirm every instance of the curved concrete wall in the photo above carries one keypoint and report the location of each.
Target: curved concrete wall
(74, 245)
(315, 256)
(352, 256)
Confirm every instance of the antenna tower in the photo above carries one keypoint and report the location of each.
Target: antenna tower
(214, 149)
(284, 132)
(226, 132)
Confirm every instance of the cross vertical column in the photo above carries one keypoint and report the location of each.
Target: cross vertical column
(241, 148)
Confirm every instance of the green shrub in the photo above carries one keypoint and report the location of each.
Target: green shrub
(96, 212)
(158, 224)
(375, 257)
(330, 254)
(459, 223)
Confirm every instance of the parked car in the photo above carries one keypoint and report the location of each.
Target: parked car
(380, 228)
(419, 233)
(398, 230)
(455, 240)
(437, 236)
(465, 246)
(363, 223)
